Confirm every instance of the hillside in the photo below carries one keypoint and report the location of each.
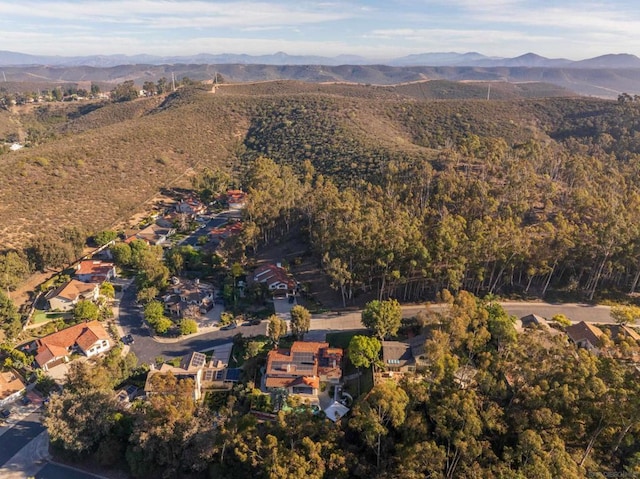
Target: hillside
(95, 164)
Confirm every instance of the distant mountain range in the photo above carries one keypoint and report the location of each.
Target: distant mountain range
(471, 59)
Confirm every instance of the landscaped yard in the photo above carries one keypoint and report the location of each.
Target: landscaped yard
(40, 316)
(341, 339)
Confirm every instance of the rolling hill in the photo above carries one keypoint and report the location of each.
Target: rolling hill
(94, 165)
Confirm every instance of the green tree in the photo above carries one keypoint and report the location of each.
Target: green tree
(561, 319)
(383, 408)
(107, 289)
(146, 295)
(125, 91)
(625, 314)
(382, 317)
(121, 254)
(10, 320)
(162, 325)
(300, 321)
(14, 268)
(154, 315)
(364, 351)
(276, 328)
(104, 237)
(188, 326)
(85, 310)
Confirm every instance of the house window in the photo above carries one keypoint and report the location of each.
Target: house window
(104, 344)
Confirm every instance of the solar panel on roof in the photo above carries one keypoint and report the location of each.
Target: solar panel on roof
(233, 375)
(303, 357)
(198, 360)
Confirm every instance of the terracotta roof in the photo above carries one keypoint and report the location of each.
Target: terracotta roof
(90, 266)
(584, 331)
(271, 274)
(57, 344)
(276, 382)
(305, 359)
(72, 290)
(313, 382)
(10, 383)
(307, 346)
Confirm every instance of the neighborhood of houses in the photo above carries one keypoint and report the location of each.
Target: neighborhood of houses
(311, 371)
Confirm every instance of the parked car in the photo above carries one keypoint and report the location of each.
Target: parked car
(255, 322)
(128, 339)
(25, 400)
(5, 413)
(229, 327)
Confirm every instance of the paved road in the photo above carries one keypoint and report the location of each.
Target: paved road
(575, 312)
(22, 433)
(147, 349)
(58, 471)
(214, 222)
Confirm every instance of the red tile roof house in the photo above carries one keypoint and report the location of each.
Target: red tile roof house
(191, 206)
(300, 369)
(95, 271)
(67, 296)
(585, 335)
(11, 386)
(236, 199)
(275, 277)
(88, 338)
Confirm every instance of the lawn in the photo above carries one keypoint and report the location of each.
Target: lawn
(40, 316)
(342, 339)
(240, 348)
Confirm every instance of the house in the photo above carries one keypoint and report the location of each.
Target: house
(300, 369)
(11, 386)
(619, 331)
(89, 339)
(191, 206)
(153, 235)
(275, 277)
(236, 199)
(534, 321)
(223, 232)
(126, 395)
(205, 375)
(401, 357)
(180, 373)
(95, 271)
(585, 335)
(65, 297)
(184, 293)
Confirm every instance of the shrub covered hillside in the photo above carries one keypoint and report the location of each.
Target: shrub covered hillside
(494, 195)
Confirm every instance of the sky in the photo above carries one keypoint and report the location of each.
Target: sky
(374, 29)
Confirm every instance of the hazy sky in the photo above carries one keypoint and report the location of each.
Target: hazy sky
(376, 29)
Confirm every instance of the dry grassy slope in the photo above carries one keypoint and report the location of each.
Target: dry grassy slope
(96, 177)
(105, 163)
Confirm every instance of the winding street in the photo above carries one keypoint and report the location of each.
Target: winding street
(147, 348)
